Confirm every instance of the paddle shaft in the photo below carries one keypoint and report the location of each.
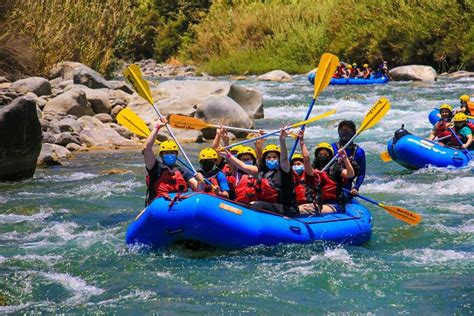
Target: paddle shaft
(192, 170)
(337, 153)
(302, 129)
(238, 129)
(363, 197)
(460, 143)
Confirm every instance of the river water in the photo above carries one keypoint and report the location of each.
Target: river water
(62, 233)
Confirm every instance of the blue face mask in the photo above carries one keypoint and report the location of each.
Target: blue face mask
(248, 162)
(298, 169)
(169, 159)
(272, 164)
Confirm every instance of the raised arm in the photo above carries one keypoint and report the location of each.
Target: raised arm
(348, 172)
(233, 161)
(284, 163)
(308, 167)
(148, 153)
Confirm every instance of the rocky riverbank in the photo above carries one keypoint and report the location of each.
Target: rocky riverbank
(44, 120)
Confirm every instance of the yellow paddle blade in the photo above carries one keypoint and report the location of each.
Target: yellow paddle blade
(133, 122)
(375, 114)
(186, 122)
(318, 117)
(133, 76)
(385, 156)
(402, 214)
(327, 66)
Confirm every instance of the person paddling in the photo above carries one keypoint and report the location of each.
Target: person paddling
(467, 107)
(164, 177)
(355, 153)
(440, 129)
(463, 132)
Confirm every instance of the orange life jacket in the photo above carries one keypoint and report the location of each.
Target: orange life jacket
(470, 108)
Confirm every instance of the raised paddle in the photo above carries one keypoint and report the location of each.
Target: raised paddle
(313, 119)
(460, 143)
(401, 213)
(375, 114)
(136, 125)
(186, 122)
(133, 76)
(327, 65)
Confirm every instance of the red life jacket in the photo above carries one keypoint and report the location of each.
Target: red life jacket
(441, 129)
(250, 189)
(300, 188)
(328, 186)
(454, 142)
(230, 180)
(170, 181)
(205, 187)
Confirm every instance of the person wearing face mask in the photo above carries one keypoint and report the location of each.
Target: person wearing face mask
(355, 153)
(440, 129)
(164, 176)
(208, 160)
(299, 178)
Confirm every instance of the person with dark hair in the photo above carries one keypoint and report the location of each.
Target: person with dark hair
(356, 154)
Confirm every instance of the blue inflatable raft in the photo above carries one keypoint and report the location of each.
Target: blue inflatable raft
(205, 219)
(435, 116)
(414, 152)
(351, 81)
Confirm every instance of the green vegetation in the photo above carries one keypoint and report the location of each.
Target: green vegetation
(234, 36)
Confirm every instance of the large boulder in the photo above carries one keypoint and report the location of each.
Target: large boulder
(104, 137)
(222, 110)
(20, 140)
(413, 72)
(184, 96)
(67, 124)
(251, 100)
(71, 102)
(98, 98)
(89, 77)
(461, 74)
(38, 85)
(275, 75)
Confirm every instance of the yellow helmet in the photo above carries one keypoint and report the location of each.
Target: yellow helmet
(296, 156)
(460, 117)
(236, 149)
(271, 147)
(168, 145)
(446, 106)
(464, 98)
(207, 153)
(354, 65)
(366, 66)
(349, 67)
(324, 145)
(247, 150)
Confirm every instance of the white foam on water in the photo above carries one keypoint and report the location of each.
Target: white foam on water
(281, 97)
(46, 258)
(75, 176)
(79, 289)
(434, 256)
(2, 259)
(106, 189)
(456, 186)
(63, 230)
(137, 294)
(338, 254)
(13, 308)
(465, 228)
(458, 208)
(14, 218)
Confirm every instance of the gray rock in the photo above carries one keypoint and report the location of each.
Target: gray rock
(413, 72)
(74, 147)
(52, 154)
(52, 115)
(251, 100)
(90, 122)
(275, 75)
(3, 79)
(44, 125)
(65, 138)
(37, 85)
(116, 110)
(104, 118)
(66, 124)
(20, 141)
(104, 137)
(63, 70)
(49, 138)
(184, 136)
(124, 132)
(461, 74)
(222, 110)
(71, 102)
(120, 85)
(89, 77)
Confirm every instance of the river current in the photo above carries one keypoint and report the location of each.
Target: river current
(62, 233)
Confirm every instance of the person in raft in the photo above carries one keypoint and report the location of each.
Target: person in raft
(463, 131)
(467, 107)
(164, 176)
(208, 161)
(325, 187)
(440, 130)
(270, 185)
(355, 153)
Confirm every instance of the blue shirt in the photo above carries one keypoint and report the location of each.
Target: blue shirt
(359, 157)
(222, 181)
